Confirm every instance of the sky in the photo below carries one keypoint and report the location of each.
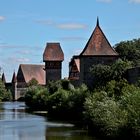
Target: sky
(27, 25)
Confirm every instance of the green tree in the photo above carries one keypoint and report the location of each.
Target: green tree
(131, 103)
(36, 97)
(119, 68)
(106, 73)
(102, 74)
(105, 114)
(32, 82)
(53, 86)
(129, 50)
(4, 94)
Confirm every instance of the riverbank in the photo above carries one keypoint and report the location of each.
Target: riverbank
(112, 111)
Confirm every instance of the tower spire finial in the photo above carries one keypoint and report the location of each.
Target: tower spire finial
(97, 21)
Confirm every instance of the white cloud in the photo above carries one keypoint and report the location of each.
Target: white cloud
(71, 26)
(23, 52)
(105, 1)
(22, 60)
(134, 1)
(68, 25)
(2, 18)
(15, 60)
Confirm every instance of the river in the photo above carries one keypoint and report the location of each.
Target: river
(17, 124)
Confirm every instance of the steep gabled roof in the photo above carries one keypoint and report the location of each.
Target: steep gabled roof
(30, 71)
(77, 62)
(14, 78)
(98, 44)
(74, 68)
(53, 52)
(3, 78)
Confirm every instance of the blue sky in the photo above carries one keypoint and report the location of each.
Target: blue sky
(27, 25)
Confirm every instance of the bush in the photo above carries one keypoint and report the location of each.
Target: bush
(67, 102)
(131, 103)
(105, 73)
(4, 94)
(32, 82)
(57, 103)
(53, 86)
(105, 114)
(114, 111)
(36, 97)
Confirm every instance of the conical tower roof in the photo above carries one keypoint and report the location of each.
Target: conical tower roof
(14, 78)
(3, 78)
(98, 44)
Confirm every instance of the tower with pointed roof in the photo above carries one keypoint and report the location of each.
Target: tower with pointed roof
(3, 78)
(53, 57)
(14, 86)
(97, 51)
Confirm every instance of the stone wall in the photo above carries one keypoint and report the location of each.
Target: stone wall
(53, 75)
(87, 62)
(21, 92)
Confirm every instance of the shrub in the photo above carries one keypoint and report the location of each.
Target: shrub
(131, 103)
(105, 114)
(53, 86)
(32, 82)
(67, 102)
(4, 94)
(36, 97)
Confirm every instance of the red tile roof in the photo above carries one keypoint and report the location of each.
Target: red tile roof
(32, 71)
(98, 44)
(53, 52)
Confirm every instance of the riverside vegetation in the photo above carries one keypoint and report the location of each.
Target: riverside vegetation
(4, 94)
(111, 109)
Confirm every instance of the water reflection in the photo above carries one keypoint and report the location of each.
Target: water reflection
(16, 124)
(64, 133)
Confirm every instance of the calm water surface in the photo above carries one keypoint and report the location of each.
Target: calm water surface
(16, 124)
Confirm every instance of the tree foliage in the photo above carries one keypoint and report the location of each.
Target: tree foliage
(105, 114)
(115, 110)
(58, 98)
(36, 97)
(105, 73)
(32, 82)
(129, 50)
(4, 94)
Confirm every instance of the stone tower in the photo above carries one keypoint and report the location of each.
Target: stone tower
(97, 51)
(53, 57)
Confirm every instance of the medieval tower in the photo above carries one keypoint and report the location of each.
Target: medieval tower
(53, 57)
(97, 51)
(14, 87)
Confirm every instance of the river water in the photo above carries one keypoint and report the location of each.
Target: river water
(16, 124)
